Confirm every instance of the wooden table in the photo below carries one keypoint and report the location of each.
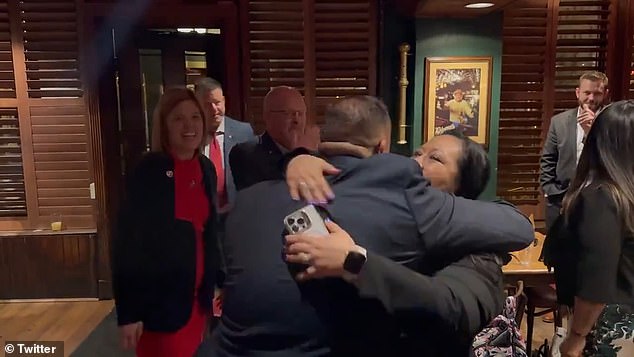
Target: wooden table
(534, 273)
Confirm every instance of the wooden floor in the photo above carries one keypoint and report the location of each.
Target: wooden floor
(70, 322)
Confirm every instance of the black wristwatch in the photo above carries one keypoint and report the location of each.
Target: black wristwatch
(355, 260)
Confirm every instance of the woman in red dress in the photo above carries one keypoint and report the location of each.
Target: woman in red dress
(166, 257)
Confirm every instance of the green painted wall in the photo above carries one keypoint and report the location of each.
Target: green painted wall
(440, 38)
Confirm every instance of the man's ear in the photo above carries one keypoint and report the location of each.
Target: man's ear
(383, 146)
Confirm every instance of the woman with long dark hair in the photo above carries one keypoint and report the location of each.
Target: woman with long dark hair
(595, 271)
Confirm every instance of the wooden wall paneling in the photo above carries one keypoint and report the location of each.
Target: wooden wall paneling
(48, 266)
(275, 54)
(549, 66)
(615, 50)
(583, 29)
(374, 24)
(310, 57)
(132, 131)
(57, 112)
(326, 48)
(13, 202)
(103, 126)
(232, 85)
(21, 90)
(7, 79)
(62, 161)
(245, 59)
(346, 48)
(627, 11)
(522, 100)
(12, 267)
(12, 188)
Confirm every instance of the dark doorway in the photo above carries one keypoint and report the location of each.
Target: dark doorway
(152, 60)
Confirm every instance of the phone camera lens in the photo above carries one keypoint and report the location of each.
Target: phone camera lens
(295, 229)
(290, 221)
(300, 221)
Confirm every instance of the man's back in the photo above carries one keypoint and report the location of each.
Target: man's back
(266, 309)
(236, 132)
(265, 306)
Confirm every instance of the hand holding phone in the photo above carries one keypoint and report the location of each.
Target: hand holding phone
(306, 220)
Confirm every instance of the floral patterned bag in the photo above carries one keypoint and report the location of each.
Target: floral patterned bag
(502, 336)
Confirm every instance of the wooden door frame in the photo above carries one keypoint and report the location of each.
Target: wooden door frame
(223, 15)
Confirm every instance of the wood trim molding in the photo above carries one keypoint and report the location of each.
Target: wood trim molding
(97, 149)
(310, 67)
(373, 38)
(243, 17)
(24, 113)
(549, 66)
(616, 50)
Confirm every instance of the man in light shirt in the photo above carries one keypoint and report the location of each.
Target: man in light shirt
(459, 110)
(564, 142)
(224, 134)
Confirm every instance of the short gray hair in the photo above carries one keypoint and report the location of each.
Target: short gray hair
(359, 120)
(206, 84)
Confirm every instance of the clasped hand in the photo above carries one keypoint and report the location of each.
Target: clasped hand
(323, 255)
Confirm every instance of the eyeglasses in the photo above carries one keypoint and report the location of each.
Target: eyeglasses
(287, 113)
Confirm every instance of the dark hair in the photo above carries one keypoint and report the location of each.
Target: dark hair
(607, 160)
(206, 84)
(474, 167)
(359, 120)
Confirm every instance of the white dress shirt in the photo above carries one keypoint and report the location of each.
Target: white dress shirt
(580, 135)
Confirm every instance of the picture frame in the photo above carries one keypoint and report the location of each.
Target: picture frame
(457, 95)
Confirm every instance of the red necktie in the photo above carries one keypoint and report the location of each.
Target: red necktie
(216, 158)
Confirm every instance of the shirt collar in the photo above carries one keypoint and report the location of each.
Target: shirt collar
(221, 127)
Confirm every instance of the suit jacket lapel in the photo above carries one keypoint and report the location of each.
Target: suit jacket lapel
(228, 145)
(269, 145)
(571, 132)
(229, 140)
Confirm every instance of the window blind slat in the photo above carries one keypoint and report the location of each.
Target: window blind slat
(12, 190)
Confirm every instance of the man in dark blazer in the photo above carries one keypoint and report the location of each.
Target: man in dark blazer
(377, 302)
(227, 131)
(564, 142)
(284, 114)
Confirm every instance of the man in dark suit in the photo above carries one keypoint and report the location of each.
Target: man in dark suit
(284, 114)
(564, 142)
(376, 300)
(224, 134)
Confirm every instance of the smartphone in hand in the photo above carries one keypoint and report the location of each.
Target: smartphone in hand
(306, 220)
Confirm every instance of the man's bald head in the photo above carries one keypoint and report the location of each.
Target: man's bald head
(284, 115)
(359, 120)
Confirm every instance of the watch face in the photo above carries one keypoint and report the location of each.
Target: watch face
(354, 262)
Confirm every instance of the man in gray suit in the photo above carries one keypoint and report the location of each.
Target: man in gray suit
(386, 305)
(564, 142)
(224, 134)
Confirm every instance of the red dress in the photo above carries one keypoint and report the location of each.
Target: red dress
(191, 205)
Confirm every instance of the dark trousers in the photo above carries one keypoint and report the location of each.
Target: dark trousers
(553, 207)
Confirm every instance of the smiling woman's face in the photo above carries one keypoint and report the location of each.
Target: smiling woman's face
(185, 129)
(439, 159)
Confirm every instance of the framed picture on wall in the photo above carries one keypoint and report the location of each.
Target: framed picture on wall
(457, 96)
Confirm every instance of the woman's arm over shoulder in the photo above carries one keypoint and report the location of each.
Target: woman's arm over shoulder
(460, 299)
(448, 223)
(600, 234)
